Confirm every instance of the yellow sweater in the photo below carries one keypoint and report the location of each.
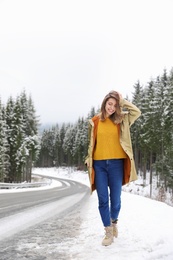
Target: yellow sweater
(107, 142)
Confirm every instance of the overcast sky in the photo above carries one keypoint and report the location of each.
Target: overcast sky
(67, 54)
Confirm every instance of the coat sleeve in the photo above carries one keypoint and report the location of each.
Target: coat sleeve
(87, 158)
(133, 111)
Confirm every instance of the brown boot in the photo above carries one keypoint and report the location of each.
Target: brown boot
(108, 239)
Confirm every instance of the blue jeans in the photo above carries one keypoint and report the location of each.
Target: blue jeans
(108, 180)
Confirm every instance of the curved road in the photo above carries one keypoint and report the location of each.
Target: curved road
(20, 210)
(10, 203)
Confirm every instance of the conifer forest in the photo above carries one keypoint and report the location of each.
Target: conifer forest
(23, 146)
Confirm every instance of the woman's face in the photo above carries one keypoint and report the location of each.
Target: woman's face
(110, 106)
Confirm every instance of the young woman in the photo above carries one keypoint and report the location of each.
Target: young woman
(110, 157)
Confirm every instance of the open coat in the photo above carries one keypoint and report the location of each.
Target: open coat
(131, 113)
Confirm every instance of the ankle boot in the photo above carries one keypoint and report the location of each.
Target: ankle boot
(115, 229)
(108, 239)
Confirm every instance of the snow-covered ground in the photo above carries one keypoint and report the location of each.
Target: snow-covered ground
(145, 226)
(143, 188)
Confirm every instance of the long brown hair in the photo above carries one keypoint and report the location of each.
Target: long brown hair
(117, 116)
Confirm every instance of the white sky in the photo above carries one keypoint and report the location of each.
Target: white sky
(69, 54)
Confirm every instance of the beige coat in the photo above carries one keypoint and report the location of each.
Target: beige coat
(130, 116)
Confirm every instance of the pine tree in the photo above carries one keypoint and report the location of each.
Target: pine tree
(62, 155)
(80, 141)
(168, 126)
(57, 147)
(11, 153)
(31, 142)
(135, 129)
(22, 137)
(4, 147)
(68, 142)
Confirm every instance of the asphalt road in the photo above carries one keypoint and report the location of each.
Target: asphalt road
(12, 203)
(34, 224)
